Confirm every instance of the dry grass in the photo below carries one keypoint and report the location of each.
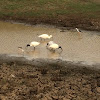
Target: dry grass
(37, 8)
(68, 13)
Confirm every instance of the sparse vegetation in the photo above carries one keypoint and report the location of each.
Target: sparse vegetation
(31, 8)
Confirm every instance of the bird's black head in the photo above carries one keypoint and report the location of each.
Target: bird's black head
(60, 47)
(47, 43)
(28, 45)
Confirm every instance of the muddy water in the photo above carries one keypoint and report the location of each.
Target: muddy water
(15, 35)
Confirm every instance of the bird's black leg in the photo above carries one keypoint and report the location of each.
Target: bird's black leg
(34, 48)
(41, 39)
(54, 50)
(23, 53)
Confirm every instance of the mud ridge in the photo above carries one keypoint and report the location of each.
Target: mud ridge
(22, 78)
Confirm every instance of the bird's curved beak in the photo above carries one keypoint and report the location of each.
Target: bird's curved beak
(46, 46)
(26, 47)
(61, 49)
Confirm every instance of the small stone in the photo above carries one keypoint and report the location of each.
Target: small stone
(55, 97)
(12, 75)
(65, 99)
(90, 92)
(98, 89)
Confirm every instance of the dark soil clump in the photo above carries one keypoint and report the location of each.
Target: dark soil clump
(27, 82)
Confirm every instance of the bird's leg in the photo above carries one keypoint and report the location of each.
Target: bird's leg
(80, 36)
(54, 50)
(41, 39)
(34, 48)
(47, 46)
(44, 39)
(79, 33)
(51, 49)
(23, 53)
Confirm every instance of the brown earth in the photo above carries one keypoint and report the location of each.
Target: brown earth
(68, 22)
(48, 82)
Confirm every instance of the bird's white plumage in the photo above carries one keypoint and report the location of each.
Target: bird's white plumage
(54, 46)
(77, 30)
(50, 42)
(45, 36)
(34, 43)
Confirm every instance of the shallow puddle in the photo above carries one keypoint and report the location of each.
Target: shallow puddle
(17, 35)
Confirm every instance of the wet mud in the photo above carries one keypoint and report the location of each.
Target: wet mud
(84, 48)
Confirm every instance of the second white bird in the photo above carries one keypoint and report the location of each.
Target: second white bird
(34, 44)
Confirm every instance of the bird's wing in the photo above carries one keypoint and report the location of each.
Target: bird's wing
(51, 42)
(43, 35)
(54, 46)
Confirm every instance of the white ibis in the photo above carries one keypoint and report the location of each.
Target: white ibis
(55, 46)
(33, 44)
(49, 43)
(79, 31)
(45, 36)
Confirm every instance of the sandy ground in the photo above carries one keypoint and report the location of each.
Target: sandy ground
(21, 79)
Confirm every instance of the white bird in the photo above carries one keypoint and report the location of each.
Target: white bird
(45, 36)
(49, 43)
(78, 30)
(34, 44)
(55, 46)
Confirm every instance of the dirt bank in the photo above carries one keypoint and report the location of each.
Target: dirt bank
(67, 13)
(67, 22)
(42, 79)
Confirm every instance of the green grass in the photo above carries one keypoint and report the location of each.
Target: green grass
(38, 8)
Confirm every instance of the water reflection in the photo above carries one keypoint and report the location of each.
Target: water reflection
(34, 53)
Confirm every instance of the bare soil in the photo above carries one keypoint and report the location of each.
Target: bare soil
(48, 82)
(68, 22)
